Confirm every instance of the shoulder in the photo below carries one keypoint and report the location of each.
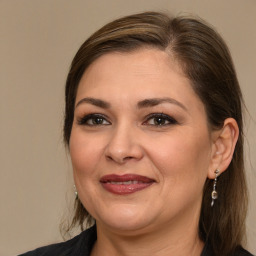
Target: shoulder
(79, 245)
(242, 252)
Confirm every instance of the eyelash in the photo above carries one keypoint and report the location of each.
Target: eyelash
(160, 116)
(84, 120)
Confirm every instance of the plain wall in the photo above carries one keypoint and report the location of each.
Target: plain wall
(37, 42)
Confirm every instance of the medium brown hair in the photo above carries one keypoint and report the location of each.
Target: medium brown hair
(206, 61)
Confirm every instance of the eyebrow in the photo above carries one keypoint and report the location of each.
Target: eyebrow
(156, 101)
(95, 102)
(141, 104)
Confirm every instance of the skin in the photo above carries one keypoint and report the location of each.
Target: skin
(178, 155)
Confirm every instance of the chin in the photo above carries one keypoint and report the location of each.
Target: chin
(125, 219)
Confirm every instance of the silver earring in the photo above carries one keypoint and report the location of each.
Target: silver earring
(76, 193)
(214, 192)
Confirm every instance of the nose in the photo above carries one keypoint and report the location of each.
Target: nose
(123, 145)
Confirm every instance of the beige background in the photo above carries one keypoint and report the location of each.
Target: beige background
(37, 42)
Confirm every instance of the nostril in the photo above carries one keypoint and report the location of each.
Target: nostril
(109, 157)
(119, 159)
(127, 158)
(123, 150)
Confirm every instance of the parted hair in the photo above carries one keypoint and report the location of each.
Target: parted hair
(205, 60)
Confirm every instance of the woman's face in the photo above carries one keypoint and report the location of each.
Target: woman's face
(140, 145)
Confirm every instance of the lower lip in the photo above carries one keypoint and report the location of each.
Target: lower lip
(124, 189)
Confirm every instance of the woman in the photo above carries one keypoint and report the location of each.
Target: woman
(153, 124)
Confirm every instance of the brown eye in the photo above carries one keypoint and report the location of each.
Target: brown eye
(97, 120)
(160, 120)
(93, 120)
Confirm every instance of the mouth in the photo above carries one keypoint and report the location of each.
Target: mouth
(125, 184)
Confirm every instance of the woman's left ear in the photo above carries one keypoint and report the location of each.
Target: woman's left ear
(224, 142)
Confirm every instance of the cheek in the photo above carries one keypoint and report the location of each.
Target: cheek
(84, 152)
(182, 156)
(183, 164)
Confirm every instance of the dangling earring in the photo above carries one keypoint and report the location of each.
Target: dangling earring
(76, 193)
(214, 192)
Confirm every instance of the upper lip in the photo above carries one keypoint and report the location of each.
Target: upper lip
(125, 178)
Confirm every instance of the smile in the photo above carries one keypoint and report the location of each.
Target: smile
(125, 184)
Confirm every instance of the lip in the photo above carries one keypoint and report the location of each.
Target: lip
(125, 184)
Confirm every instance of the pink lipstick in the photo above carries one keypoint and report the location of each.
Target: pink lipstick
(125, 184)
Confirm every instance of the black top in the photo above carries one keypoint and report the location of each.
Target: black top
(82, 244)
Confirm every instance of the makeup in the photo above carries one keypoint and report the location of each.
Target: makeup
(125, 184)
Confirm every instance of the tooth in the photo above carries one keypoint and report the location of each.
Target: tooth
(127, 182)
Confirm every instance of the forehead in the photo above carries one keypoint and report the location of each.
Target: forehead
(133, 76)
(140, 59)
(140, 65)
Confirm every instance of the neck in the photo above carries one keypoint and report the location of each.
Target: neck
(165, 241)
